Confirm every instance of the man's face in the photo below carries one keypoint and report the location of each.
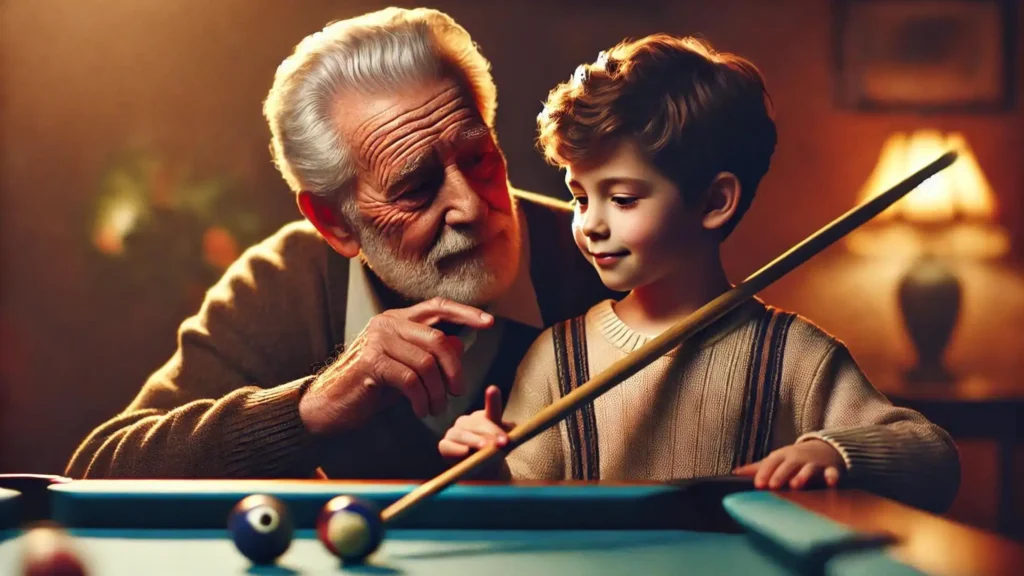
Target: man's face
(431, 206)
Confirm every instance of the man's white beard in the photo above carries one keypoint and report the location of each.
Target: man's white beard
(475, 281)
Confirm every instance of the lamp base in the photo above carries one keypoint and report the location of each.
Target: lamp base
(925, 373)
(929, 300)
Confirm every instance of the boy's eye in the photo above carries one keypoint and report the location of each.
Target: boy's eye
(624, 200)
(579, 200)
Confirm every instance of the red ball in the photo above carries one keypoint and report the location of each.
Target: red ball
(350, 528)
(47, 551)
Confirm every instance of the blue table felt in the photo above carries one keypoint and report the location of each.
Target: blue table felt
(487, 530)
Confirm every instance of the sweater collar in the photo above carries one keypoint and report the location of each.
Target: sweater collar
(619, 334)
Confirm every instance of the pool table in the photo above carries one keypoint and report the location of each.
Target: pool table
(157, 527)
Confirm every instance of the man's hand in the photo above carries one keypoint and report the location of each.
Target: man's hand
(398, 350)
(477, 430)
(797, 465)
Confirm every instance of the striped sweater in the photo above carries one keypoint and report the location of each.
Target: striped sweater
(756, 380)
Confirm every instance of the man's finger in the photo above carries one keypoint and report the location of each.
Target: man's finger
(492, 404)
(425, 366)
(446, 350)
(832, 476)
(404, 379)
(443, 310)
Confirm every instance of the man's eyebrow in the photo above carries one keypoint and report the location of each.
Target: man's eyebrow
(472, 135)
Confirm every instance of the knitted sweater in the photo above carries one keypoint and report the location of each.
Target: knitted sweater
(225, 405)
(691, 413)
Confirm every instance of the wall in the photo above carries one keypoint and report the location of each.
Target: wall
(82, 81)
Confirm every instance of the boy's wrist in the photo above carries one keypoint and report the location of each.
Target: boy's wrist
(831, 443)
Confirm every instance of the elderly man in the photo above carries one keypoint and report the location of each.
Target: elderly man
(348, 342)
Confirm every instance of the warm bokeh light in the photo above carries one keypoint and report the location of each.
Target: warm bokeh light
(114, 223)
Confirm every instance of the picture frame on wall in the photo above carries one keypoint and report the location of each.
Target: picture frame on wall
(924, 55)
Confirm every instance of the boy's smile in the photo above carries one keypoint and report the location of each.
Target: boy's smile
(608, 259)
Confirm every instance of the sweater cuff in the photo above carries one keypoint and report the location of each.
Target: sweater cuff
(870, 452)
(269, 440)
(893, 463)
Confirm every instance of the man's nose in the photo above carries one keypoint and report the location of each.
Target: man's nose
(464, 206)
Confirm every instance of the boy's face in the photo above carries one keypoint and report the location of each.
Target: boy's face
(630, 221)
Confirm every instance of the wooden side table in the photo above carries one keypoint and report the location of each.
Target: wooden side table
(974, 407)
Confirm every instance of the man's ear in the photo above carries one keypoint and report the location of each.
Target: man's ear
(722, 199)
(326, 218)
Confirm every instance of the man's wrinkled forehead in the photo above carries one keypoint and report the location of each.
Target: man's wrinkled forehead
(385, 132)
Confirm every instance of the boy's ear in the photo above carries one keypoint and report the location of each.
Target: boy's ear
(326, 218)
(721, 200)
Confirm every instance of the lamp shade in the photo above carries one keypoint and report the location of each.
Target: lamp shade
(960, 191)
(957, 206)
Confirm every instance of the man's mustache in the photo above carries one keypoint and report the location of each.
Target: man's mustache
(453, 242)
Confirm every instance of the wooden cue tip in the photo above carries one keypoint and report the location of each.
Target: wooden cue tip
(606, 379)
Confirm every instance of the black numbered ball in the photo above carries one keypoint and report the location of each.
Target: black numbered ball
(261, 528)
(350, 528)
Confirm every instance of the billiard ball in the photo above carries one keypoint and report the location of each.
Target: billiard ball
(48, 552)
(350, 528)
(261, 528)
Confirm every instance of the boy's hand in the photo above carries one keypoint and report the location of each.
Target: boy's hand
(477, 430)
(796, 465)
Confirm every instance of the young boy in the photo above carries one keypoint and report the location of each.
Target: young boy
(663, 142)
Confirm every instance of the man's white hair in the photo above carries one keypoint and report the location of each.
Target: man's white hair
(375, 53)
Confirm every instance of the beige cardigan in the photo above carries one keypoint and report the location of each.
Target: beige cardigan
(225, 405)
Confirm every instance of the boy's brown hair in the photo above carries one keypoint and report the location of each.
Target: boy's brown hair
(694, 111)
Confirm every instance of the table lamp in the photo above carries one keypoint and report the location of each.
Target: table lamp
(949, 217)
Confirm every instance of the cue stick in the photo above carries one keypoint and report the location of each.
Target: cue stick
(672, 337)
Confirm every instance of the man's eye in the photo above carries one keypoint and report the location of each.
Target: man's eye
(481, 165)
(416, 197)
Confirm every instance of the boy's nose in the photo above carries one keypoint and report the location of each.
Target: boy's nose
(594, 225)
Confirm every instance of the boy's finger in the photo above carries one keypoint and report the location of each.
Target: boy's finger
(767, 468)
(451, 449)
(832, 476)
(748, 469)
(783, 473)
(803, 476)
(484, 429)
(466, 437)
(492, 404)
